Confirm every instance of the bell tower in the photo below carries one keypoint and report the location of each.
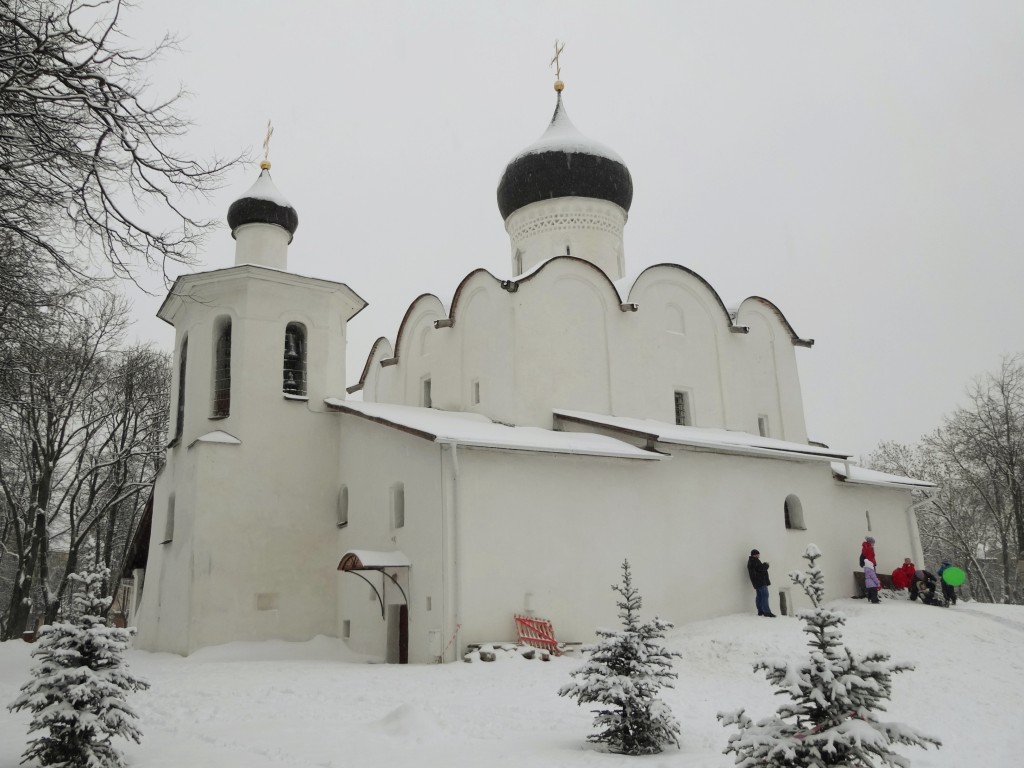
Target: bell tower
(248, 487)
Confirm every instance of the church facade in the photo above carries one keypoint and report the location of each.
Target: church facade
(503, 455)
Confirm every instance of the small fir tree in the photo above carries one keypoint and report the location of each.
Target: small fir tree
(77, 691)
(624, 672)
(834, 697)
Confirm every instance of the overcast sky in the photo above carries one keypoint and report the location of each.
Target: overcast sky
(859, 164)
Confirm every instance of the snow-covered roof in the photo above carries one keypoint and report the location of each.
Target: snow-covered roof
(851, 473)
(562, 136)
(475, 430)
(265, 189)
(217, 436)
(363, 559)
(720, 440)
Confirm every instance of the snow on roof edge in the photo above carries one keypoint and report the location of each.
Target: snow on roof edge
(711, 438)
(863, 476)
(474, 430)
(217, 436)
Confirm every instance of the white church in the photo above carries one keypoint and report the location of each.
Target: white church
(502, 455)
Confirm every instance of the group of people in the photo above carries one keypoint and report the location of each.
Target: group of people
(921, 583)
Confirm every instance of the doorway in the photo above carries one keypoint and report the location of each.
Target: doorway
(397, 634)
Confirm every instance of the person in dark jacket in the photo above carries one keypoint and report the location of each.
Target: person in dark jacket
(758, 573)
(924, 585)
(948, 592)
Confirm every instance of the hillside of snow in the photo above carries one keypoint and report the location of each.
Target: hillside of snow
(316, 705)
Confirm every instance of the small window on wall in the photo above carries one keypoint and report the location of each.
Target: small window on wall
(762, 426)
(867, 517)
(294, 359)
(794, 513)
(169, 522)
(221, 405)
(267, 601)
(398, 505)
(684, 413)
(346, 629)
(476, 392)
(426, 400)
(343, 506)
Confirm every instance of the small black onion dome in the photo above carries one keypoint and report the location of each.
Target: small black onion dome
(564, 163)
(263, 204)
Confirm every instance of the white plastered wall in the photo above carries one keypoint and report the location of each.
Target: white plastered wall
(372, 459)
(562, 340)
(561, 536)
(547, 532)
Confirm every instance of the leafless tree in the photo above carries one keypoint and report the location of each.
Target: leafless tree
(983, 444)
(977, 460)
(87, 159)
(84, 421)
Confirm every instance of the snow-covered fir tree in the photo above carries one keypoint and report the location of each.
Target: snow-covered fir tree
(78, 687)
(834, 697)
(624, 672)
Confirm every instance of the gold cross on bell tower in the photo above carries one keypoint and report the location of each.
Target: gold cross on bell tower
(265, 164)
(557, 64)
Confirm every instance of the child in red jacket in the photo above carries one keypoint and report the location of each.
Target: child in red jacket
(867, 551)
(903, 577)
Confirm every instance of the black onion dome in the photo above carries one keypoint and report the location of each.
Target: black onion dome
(263, 204)
(564, 163)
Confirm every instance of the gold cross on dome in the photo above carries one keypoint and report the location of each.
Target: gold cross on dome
(266, 146)
(559, 47)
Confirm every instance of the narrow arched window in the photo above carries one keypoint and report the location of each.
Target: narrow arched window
(222, 370)
(793, 513)
(169, 521)
(294, 359)
(398, 505)
(179, 420)
(343, 506)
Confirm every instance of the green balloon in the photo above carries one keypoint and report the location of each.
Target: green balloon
(954, 576)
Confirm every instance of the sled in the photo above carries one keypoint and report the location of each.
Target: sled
(538, 633)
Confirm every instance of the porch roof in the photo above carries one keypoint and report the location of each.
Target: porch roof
(707, 438)
(477, 431)
(853, 474)
(369, 560)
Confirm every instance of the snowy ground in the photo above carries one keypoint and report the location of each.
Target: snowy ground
(314, 704)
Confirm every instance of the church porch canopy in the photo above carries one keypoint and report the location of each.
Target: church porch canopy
(356, 560)
(369, 560)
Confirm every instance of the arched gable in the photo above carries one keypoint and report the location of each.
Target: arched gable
(598, 275)
(465, 287)
(636, 290)
(381, 350)
(753, 301)
(424, 306)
